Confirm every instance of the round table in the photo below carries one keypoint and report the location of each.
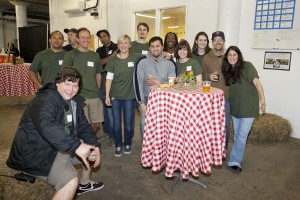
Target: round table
(15, 81)
(184, 130)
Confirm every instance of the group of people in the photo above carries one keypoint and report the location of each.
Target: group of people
(79, 89)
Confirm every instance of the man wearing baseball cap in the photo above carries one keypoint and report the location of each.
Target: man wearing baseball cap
(72, 42)
(212, 62)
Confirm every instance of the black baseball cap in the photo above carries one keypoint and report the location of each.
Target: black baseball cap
(218, 33)
(73, 30)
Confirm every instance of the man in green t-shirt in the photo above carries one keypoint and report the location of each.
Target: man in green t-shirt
(47, 63)
(141, 46)
(88, 63)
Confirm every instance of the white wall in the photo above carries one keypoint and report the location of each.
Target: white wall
(64, 20)
(280, 87)
(201, 16)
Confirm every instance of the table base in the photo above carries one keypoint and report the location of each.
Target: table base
(178, 177)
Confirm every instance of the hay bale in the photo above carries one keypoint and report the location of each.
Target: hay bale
(269, 128)
(11, 189)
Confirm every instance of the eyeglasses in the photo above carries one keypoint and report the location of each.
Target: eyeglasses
(218, 39)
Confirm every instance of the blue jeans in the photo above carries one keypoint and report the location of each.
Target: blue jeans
(242, 128)
(227, 121)
(108, 117)
(142, 118)
(128, 115)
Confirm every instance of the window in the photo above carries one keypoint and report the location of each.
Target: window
(173, 20)
(162, 21)
(147, 17)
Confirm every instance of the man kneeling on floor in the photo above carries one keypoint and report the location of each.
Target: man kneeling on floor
(53, 135)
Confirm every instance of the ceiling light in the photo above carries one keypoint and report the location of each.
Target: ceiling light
(171, 27)
(168, 17)
(142, 15)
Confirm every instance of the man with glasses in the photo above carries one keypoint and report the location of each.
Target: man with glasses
(212, 71)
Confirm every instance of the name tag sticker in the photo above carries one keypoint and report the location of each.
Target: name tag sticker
(90, 64)
(69, 118)
(110, 51)
(60, 62)
(144, 52)
(189, 68)
(130, 64)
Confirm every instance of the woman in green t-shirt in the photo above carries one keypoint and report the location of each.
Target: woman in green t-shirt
(185, 63)
(120, 93)
(200, 46)
(245, 93)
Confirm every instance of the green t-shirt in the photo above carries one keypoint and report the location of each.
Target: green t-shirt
(189, 65)
(140, 48)
(198, 57)
(244, 99)
(122, 83)
(47, 63)
(88, 64)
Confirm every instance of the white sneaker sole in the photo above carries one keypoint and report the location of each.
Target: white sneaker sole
(99, 188)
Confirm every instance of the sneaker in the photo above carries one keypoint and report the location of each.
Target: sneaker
(91, 186)
(235, 169)
(127, 149)
(118, 151)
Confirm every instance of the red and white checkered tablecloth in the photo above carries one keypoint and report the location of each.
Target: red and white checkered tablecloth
(184, 130)
(15, 81)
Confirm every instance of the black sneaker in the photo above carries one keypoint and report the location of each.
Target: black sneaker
(127, 149)
(91, 186)
(235, 169)
(118, 151)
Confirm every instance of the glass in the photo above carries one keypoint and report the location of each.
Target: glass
(92, 158)
(217, 76)
(172, 80)
(206, 86)
(218, 39)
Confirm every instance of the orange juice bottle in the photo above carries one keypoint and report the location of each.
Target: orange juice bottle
(10, 60)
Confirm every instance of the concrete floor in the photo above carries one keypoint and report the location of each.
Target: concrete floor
(270, 171)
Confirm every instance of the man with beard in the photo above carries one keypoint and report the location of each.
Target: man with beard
(72, 42)
(141, 46)
(212, 71)
(152, 69)
(47, 63)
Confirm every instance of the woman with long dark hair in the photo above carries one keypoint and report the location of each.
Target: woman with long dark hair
(200, 46)
(246, 92)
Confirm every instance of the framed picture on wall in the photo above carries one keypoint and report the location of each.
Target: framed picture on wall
(277, 60)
